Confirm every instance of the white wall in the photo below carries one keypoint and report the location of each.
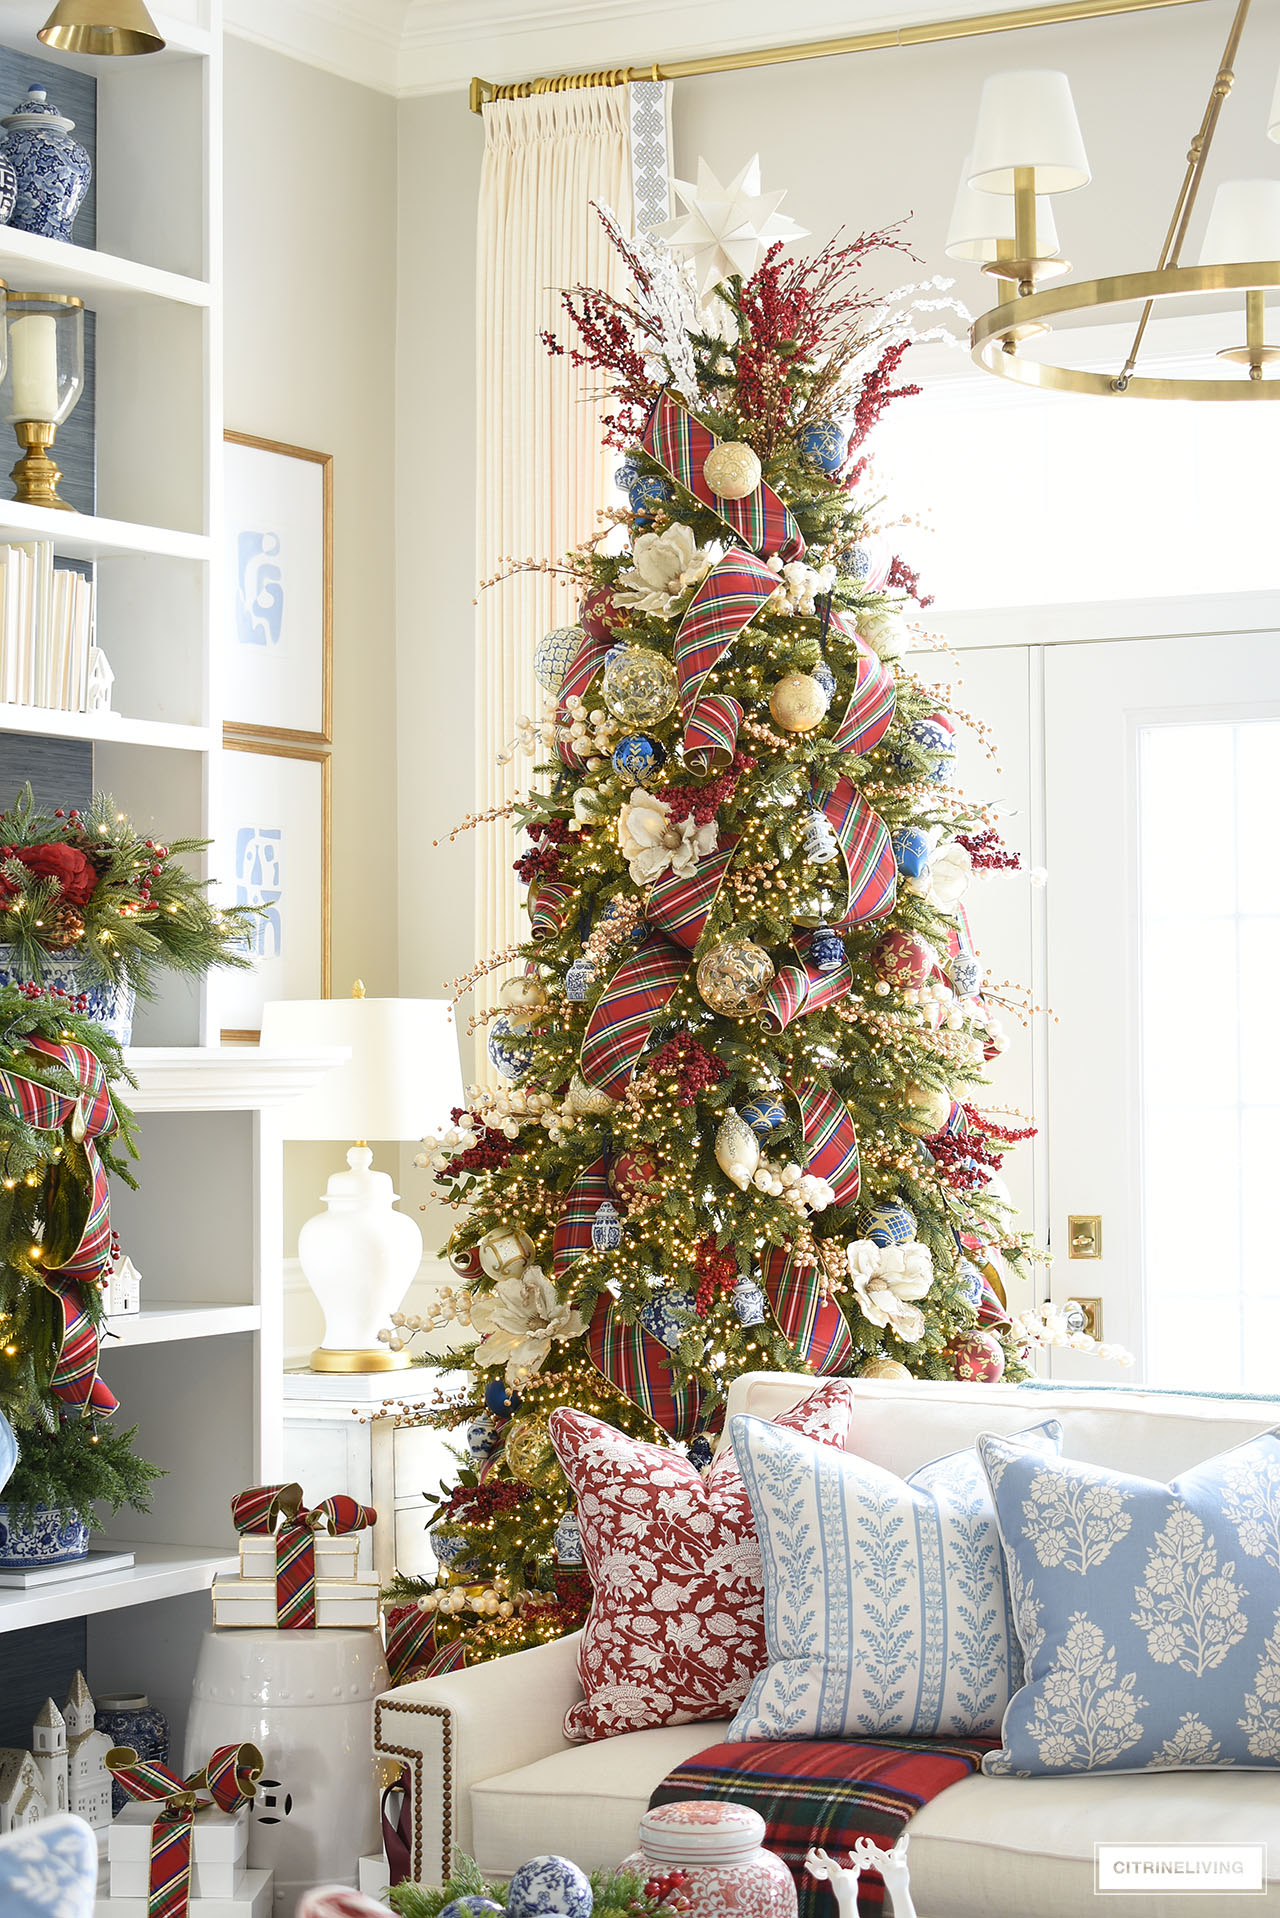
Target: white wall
(310, 359)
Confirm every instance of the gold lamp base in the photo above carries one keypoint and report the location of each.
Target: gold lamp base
(352, 1359)
(37, 473)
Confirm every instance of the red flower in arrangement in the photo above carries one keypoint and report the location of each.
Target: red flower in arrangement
(75, 873)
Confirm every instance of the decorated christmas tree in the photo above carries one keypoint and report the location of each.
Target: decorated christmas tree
(741, 1123)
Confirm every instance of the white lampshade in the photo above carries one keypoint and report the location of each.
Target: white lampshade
(1244, 223)
(403, 1078)
(1028, 119)
(980, 221)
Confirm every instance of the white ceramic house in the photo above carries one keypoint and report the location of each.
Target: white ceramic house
(49, 1750)
(21, 1792)
(88, 1780)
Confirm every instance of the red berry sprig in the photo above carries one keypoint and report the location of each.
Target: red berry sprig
(717, 1273)
(988, 852)
(702, 803)
(690, 1064)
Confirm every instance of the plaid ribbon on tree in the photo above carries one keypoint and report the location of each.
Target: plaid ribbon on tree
(869, 713)
(231, 1779)
(409, 1640)
(831, 1143)
(583, 667)
(680, 445)
(577, 1216)
(88, 1115)
(278, 1509)
(867, 852)
(639, 1366)
(800, 987)
(721, 610)
(811, 1320)
(549, 907)
(641, 989)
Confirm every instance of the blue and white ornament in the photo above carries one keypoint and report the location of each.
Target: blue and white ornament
(820, 843)
(825, 445)
(969, 1280)
(549, 1885)
(965, 970)
(636, 756)
(553, 655)
(889, 1223)
(749, 1303)
(856, 563)
(484, 1436)
(642, 489)
(700, 1451)
(470, 1906)
(668, 1316)
(826, 949)
(910, 850)
(449, 1549)
(568, 1540)
(764, 1112)
(510, 1047)
(577, 981)
(825, 678)
(937, 739)
(606, 1227)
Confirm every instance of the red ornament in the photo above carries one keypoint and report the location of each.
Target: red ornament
(633, 1172)
(901, 959)
(598, 615)
(466, 1260)
(977, 1358)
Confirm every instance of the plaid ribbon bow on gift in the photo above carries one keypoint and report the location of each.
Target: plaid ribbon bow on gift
(278, 1510)
(231, 1779)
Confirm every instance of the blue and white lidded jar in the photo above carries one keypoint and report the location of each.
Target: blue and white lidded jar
(129, 1718)
(110, 1002)
(53, 170)
(46, 1536)
(568, 1540)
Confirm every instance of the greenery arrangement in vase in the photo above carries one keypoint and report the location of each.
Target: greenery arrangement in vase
(90, 905)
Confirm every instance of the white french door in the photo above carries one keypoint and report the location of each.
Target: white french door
(1161, 830)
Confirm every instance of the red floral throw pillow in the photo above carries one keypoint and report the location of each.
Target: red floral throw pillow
(676, 1631)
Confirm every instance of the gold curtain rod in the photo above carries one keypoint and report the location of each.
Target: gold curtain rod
(975, 25)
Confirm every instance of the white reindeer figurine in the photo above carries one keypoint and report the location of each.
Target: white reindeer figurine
(843, 1879)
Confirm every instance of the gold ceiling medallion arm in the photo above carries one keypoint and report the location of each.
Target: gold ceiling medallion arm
(1197, 155)
(928, 33)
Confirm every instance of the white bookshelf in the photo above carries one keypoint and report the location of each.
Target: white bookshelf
(200, 1369)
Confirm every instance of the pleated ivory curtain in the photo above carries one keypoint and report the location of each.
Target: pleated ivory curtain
(543, 475)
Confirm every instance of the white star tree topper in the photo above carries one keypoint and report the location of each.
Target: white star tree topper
(727, 229)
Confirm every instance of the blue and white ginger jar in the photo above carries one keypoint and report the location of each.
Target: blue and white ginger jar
(110, 1004)
(668, 1317)
(48, 1536)
(129, 1718)
(568, 1540)
(53, 171)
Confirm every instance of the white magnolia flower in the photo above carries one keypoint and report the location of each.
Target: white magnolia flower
(664, 565)
(518, 1320)
(950, 870)
(886, 1279)
(651, 841)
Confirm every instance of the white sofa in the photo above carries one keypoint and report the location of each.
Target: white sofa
(493, 1774)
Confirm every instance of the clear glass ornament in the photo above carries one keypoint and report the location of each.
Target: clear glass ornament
(639, 686)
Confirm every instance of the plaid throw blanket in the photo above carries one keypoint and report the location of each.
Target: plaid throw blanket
(826, 1792)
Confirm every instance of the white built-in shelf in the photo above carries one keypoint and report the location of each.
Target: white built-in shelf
(165, 1324)
(115, 728)
(88, 536)
(31, 262)
(158, 1571)
(223, 1078)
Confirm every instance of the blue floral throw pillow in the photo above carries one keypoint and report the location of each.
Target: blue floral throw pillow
(1149, 1614)
(886, 1611)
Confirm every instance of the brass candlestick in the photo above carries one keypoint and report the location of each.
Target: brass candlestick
(36, 475)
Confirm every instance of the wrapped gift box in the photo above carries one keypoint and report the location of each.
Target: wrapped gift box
(219, 1848)
(251, 1899)
(252, 1601)
(335, 1557)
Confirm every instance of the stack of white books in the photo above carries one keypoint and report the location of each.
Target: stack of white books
(46, 629)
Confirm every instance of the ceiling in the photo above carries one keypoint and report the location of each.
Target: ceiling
(431, 46)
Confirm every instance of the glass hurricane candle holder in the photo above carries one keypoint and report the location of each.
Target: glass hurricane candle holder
(43, 379)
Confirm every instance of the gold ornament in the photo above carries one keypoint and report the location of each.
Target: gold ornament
(504, 1254)
(588, 1099)
(731, 470)
(884, 1369)
(639, 686)
(798, 703)
(525, 994)
(528, 1451)
(928, 1109)
(734, 976)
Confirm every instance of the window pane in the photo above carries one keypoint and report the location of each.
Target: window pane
(1209, 826)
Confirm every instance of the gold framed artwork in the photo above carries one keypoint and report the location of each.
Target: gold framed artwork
(276, 660)
(273, 837)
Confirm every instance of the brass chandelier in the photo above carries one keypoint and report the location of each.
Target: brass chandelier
(1027, 148)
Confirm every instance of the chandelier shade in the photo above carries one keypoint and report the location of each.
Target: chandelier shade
(101, 27)
(1027, 123)
(982, 224)
(1244, 223)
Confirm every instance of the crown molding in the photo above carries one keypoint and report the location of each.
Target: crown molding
(413, 47)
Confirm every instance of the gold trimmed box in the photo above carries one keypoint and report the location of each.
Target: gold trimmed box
(252, 1602)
